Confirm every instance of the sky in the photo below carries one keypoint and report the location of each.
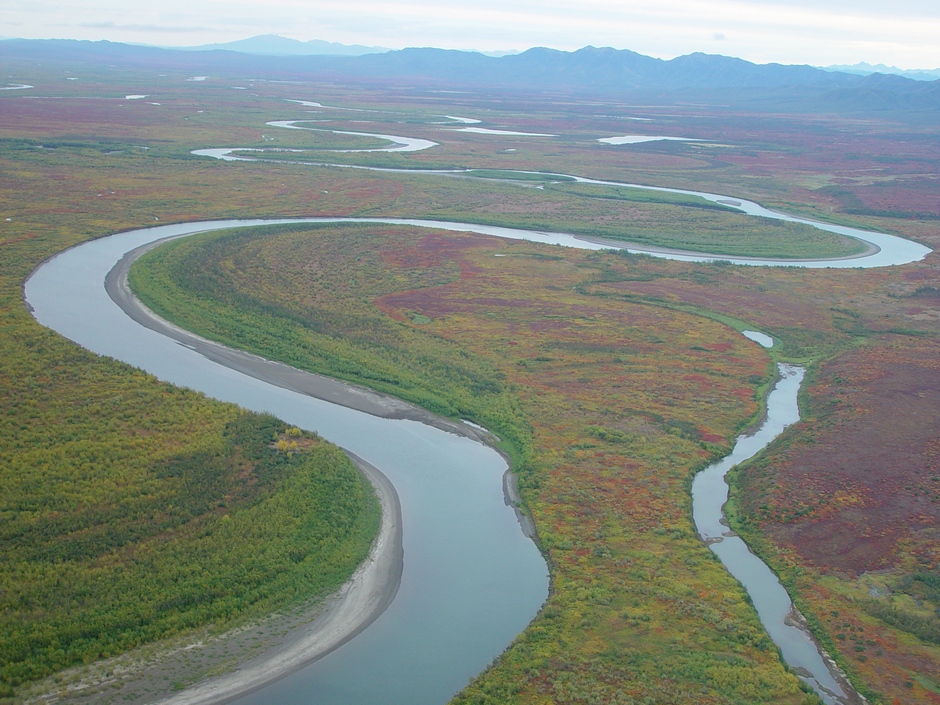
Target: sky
(902, 33)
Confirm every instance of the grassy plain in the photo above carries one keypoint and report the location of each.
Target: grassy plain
(604, 467)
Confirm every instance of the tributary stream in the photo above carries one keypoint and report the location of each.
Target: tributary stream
(779, 617)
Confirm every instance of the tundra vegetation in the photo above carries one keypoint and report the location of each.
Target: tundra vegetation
(619, 376)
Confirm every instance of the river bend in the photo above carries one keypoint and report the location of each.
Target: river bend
(450, 618)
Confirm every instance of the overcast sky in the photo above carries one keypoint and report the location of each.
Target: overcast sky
(904, 33)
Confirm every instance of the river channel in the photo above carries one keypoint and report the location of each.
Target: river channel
(773, 605)
(882, 249)
(472, 580)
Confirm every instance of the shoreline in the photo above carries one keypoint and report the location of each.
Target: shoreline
(205, 668)
(870, 250)
(339, 618)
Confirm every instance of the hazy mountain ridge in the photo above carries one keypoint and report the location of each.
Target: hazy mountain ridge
(865, 69)
(276, 45)
(706, 78)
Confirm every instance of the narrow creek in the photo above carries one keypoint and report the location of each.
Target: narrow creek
(780, 618)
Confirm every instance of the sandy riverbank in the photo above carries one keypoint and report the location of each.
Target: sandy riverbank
(226, 666)
(343, 615)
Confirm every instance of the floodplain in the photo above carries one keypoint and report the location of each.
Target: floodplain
(610, 377)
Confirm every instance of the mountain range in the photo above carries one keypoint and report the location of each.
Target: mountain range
(276, 45)
(865, 69)
(604, 72)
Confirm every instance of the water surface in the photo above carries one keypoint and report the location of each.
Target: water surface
(770, 598)
(761, 339)
(638, 139)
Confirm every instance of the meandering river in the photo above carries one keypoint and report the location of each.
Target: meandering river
(471, 579)
(882, 249)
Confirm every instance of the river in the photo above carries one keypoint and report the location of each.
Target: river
(773, 605)
(471, 579)
(882, 249)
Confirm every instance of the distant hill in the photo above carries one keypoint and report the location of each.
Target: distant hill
(610, 73)
(864, 69)
(275, 45)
